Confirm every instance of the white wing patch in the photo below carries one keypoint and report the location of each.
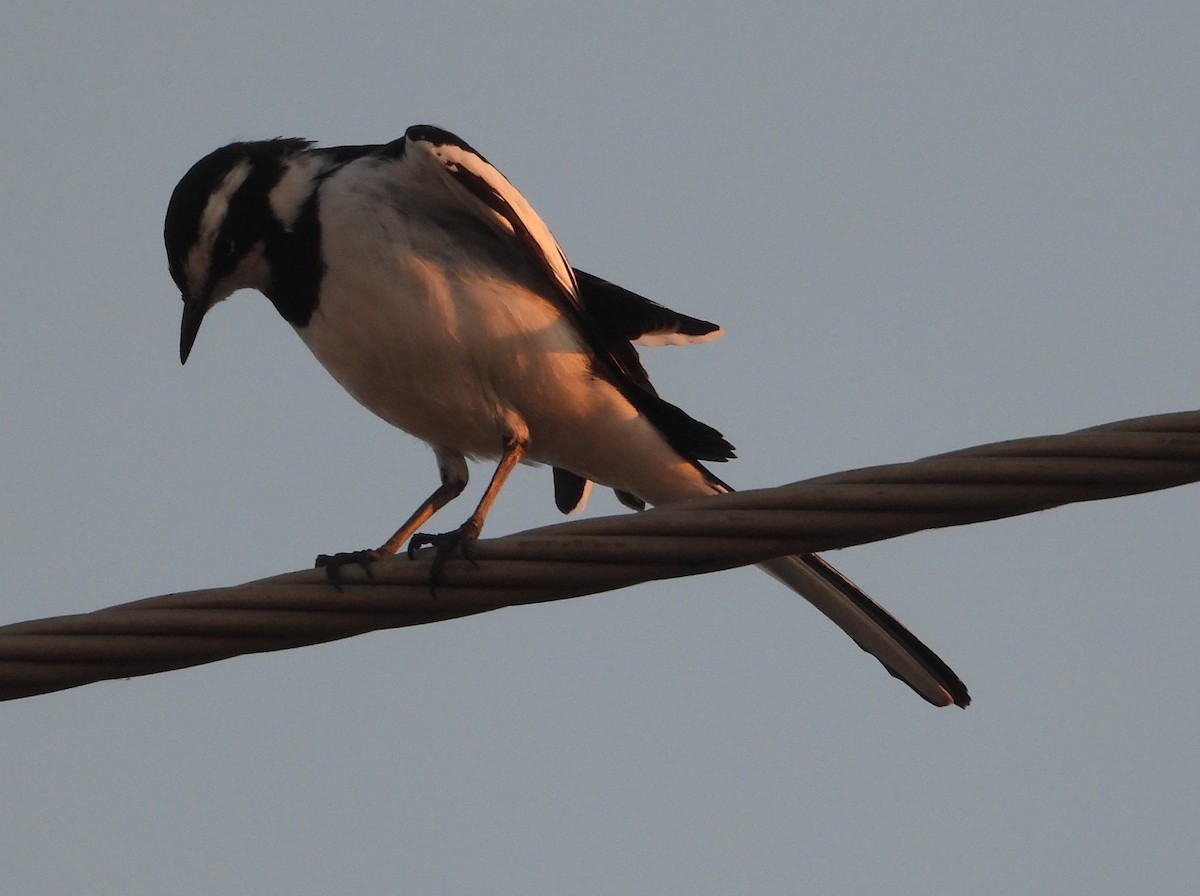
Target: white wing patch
(288, 195)
(672, 338)
(477, 184)
(583, 498)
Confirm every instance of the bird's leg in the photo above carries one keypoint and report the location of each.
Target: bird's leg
(461, 538)
(451, 487)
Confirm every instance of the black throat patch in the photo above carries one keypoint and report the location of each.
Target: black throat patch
(297, 268)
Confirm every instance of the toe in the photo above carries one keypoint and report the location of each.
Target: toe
(333, 563)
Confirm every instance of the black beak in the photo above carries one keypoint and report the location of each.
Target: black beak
(193, 315)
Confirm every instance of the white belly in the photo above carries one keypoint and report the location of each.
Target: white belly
(463, 363)
(427, 323)
(427, 354)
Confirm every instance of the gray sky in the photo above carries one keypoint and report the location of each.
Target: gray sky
(924, 226)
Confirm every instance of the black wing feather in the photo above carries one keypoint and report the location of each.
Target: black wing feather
(623, 314)
(613, 356)
(569, 489)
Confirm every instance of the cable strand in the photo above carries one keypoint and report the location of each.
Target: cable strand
(592, 556)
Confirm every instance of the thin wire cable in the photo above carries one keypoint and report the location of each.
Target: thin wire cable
(597, 555)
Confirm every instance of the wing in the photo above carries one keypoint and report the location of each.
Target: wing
(616, 312)
(470, 180)
(477, 184)
(623, 314)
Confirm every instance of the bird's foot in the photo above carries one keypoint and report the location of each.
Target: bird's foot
(444, 545)
(333, 563)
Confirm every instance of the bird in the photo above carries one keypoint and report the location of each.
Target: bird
(431, 290)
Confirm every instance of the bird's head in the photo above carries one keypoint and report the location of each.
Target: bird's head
(219, 220)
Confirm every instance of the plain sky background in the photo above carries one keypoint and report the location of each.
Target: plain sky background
(924, 227)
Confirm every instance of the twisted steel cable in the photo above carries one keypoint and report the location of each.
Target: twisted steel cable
(596, 555)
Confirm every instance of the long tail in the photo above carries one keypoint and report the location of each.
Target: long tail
(871, 627)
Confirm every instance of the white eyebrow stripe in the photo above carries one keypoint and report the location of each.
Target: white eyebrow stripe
(200, 256)
(218, 203)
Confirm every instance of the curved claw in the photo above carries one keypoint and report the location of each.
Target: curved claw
(443, 542)
(333, 563)
(444, 545)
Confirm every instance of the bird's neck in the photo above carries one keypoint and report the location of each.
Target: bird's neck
(292, 248)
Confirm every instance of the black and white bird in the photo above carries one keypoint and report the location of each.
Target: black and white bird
(431, 290)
